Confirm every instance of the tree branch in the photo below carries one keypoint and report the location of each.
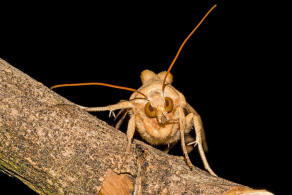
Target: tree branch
(54, 147)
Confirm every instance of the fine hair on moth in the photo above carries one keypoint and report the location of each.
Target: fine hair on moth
(158, 111)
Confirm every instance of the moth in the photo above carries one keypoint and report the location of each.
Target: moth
(158, 111)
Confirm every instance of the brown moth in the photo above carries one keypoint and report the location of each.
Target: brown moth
(159, 112)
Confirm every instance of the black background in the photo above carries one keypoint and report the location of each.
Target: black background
(228, 71)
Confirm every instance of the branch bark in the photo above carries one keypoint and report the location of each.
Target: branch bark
(56, 148)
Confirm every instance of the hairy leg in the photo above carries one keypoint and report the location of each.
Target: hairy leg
(198, 129)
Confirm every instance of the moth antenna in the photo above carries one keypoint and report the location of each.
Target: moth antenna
(183, 43)
(99, 84)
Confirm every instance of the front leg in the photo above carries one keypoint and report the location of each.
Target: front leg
(130, 134)
(198, 129)
(190, 109)
(182, 129)
(111, 108)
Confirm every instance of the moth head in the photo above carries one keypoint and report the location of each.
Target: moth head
(159, 108)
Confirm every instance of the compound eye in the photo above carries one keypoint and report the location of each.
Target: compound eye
(168, 104)
(149, 110)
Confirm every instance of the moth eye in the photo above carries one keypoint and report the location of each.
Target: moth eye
(168, 104)
(149, 110)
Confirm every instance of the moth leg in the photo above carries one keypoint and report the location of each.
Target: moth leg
(169, 147)
(182, 126)
(130, 134)
(190, 109)
(120, 112)
(111, 108)
(119, 123)
(198, 129)
(190, 141)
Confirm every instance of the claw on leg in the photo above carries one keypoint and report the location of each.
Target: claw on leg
(112, 113)
(195, 143)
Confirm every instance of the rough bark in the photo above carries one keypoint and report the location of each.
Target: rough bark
(56, 148)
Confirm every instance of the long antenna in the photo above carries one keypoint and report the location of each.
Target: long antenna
(184, 42)
(97, 83)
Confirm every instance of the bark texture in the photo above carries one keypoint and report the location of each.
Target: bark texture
(56, 148)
